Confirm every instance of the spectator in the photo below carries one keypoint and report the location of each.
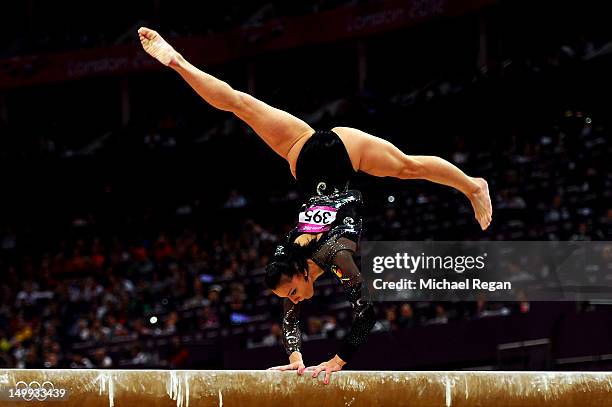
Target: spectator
(235, 200)
(406, 317)
(80, 362)
(178, 354)
(274, 337)
(101, 360)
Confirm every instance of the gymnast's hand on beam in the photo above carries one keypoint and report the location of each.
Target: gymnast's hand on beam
(333, 365)
(299, 366)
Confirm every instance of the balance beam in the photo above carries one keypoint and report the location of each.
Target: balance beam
(191, 388)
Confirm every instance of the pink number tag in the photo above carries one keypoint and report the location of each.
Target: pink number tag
(317, 219)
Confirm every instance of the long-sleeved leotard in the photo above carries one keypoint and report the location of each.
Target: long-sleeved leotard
(292, 337)
(341, 253)
(334, 252)
(345, 269)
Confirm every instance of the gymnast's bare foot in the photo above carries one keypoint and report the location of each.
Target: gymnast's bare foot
(481, 202)
(156, 46)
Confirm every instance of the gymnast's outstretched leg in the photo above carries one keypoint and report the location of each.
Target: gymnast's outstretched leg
(277, 128)
(380, 158)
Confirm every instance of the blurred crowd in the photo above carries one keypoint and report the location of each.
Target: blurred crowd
(108, 305)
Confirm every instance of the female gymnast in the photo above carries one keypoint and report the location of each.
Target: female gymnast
(322, 162)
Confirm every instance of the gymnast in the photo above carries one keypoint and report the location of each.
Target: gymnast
(327, 233)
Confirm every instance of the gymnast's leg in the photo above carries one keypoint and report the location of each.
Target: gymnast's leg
(278, 129)
(380, 158)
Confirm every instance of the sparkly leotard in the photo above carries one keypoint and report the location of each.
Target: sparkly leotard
(335, 252)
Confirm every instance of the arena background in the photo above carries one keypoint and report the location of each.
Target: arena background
(136, 220)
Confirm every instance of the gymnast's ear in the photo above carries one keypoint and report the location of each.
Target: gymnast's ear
(309, 264)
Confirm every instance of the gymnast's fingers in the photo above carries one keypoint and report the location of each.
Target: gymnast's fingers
(316, 371)
(282, 368)
(328, 372)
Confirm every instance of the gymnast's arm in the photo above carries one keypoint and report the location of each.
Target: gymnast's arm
(357, 295)
(363, 314)
(292, 337)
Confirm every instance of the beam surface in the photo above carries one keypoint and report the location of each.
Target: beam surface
(152, 388)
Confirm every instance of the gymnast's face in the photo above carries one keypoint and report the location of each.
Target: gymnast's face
(297, 288)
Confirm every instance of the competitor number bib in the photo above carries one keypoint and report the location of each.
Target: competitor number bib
(316, 219)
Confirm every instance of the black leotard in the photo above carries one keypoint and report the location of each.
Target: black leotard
(335, 252)
(323, 165)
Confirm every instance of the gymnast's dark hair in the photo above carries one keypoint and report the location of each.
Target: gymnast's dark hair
(289, 260)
